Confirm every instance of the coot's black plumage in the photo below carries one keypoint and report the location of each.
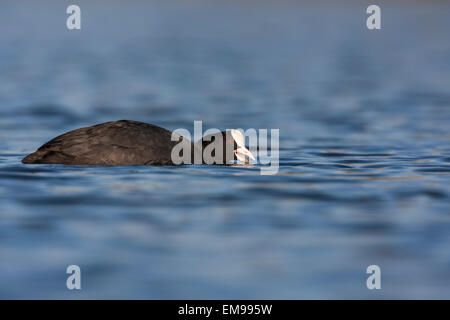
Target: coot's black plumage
(123, 142)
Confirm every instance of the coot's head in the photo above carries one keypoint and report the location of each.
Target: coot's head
(225, 148)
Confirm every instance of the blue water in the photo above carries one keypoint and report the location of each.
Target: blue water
(364, 119)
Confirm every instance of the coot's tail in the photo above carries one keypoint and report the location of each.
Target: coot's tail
(31, 158)
(45, 156)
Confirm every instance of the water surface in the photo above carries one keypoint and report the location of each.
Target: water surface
(364, 123)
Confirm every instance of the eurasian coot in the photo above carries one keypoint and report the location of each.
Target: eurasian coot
(127, 142)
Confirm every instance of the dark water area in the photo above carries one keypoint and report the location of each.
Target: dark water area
(364, 119)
